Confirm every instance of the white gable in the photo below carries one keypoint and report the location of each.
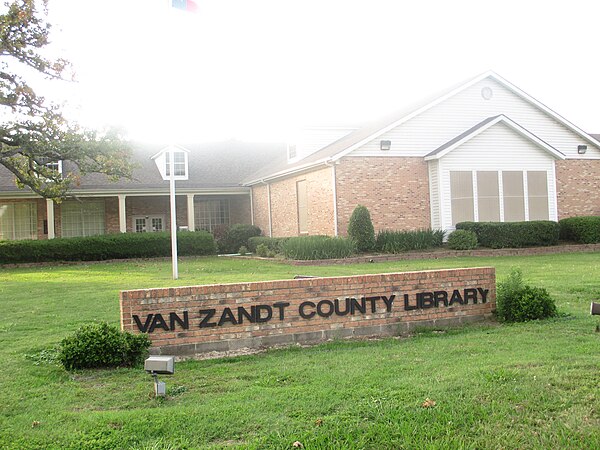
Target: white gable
(434, 127)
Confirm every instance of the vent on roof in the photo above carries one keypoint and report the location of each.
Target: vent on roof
(581, 149)
(385, 145)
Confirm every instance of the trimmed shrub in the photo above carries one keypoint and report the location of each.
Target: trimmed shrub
(273, 244)
(401, 241)
(360, 229)
(585, 229)
(462, 240)
(513, 234)
(236, 236)
(243, 251)
(518, 302)
(262, 250)
(107, 246)
(318, 247)
(100, 345)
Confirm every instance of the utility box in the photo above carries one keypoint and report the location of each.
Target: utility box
(164, 365)
(595, 309)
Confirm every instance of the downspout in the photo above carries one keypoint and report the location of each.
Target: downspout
(334, 190)
(251, 205)
(269, 206)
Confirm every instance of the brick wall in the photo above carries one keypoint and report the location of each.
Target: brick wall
(261, 207)
(284, 205)
(578, 187)
(196, 319)
(395, 190)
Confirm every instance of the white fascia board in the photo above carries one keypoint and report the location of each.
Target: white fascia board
(167, 148)
(544, 108)
(412, 114)
(287, 172)
(511, 124)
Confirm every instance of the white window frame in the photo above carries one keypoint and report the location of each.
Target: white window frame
(32, 219)
(148, 221)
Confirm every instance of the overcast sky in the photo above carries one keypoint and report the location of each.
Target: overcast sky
(259, 69)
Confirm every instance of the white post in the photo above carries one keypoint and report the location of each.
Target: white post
(50, 218)
(173, 212)
(122, 216)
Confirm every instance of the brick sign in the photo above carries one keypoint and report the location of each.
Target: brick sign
(224, 317)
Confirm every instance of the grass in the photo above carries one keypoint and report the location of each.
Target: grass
(532, 385)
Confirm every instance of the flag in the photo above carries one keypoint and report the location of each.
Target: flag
(186, 5)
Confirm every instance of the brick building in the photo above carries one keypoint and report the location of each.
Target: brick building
(482, 151)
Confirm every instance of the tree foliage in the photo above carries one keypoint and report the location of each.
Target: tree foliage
(360, 229)
(34, 132)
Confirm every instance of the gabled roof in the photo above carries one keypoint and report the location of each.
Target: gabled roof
(484, 125)
(353, 141)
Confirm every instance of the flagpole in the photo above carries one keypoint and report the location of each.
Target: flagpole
(173, 212)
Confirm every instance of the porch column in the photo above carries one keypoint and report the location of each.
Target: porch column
(122, 214)
(50, 218)
(190, 213)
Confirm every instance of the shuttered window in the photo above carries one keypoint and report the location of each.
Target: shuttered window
(18, 221)
(302, 207)
(514, 198)
(537, 195)
(488, 196)
(461, 192)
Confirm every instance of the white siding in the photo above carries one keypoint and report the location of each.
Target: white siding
(434, 197)
(441, 123)
(497, 148)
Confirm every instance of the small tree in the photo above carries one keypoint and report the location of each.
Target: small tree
(360, 229)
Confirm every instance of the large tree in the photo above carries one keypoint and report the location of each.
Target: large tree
(33, 132)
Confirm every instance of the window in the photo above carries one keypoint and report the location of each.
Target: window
(461, 195)
(537, 195)
(143, 224)
(179, 164)
(210, 213)
(510, 196)
(291, 151)
(514, 196)
(18, 221)
(302, 207)
(488, 197)
(82, 218)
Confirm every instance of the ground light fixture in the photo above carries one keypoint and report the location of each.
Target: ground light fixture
(160, 365)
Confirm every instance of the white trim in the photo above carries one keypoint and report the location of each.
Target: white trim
(501, 195)
(335, 211)
(269, 207)
(526, 194)
(475, 196)
(252, 206)
(511, 124)
(191, 218)
(554, 198)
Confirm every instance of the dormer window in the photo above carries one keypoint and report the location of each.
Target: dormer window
(55, 166)
(291, 151)
(179, 164)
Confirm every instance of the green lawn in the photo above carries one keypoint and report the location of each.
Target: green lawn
(534, 385)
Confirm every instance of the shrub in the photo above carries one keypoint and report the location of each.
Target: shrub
(518, 302)
(100, 345)
(462, 240)
(584, 229)
(401, 241)
(107, 246)
(274, 244)
(262, 250)
(318, 247)
(513, 234)
(236, 236)
(360, 229)
(243, 251)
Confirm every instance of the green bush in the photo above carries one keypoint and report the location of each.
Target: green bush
(262, 250)
(243, 251)
(513, 234)
(518, 302)
(273, 244)
(585, 229)
(360, 229)
(100, 345)
(236, 236)
(462, 240)
(401, 241)
(318, 247)
(107, 246)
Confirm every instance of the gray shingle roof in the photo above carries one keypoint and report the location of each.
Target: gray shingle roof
(211, 166)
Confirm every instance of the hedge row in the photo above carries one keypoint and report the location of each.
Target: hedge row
(318, 247)
(585, 229)
(107, 246)
(513, 234)
(402, 241)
